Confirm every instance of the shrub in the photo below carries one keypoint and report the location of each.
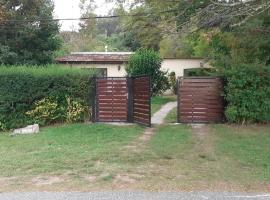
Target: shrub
(173, 82)
(23, 88)
(148, 62)
(248, 94)
(47, 111)
(52, 110)
(75, 111)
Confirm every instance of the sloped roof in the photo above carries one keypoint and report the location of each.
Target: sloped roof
(95, 57)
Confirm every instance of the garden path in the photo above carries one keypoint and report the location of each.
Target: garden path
(160, 115)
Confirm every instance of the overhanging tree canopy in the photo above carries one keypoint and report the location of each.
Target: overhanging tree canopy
(24, 38)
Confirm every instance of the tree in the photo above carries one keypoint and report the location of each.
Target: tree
(28, 35)
(148, 62)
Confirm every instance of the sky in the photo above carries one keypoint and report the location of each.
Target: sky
(70, 9)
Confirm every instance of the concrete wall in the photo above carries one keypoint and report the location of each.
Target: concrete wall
(179, 65)
(176, 65)
(113, 70)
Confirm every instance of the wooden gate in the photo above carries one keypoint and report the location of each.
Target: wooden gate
(122, 100)
(200, 100)
(142, 100)
(111, 100)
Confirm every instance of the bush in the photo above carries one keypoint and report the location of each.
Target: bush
(30, 94)
(53, 110)
(47, 111)
(248, 94)
(148, 62)
(173, 82)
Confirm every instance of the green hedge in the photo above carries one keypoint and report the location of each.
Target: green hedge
(248, 94)
(22, 87)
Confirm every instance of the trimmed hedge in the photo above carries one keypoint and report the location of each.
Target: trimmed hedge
(21, 87)
(248, 94)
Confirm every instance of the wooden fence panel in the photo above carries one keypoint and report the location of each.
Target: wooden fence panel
(200, 100)
(111, 99)
(124, 99)
(142, 100)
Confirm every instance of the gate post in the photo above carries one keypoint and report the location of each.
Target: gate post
(94, 90)
(178, 99)
(130, 108)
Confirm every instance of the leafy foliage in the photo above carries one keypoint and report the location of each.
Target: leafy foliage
(46, 111)
(53, 110)
(248, 93)
(148, 62)
(29, 42)
(75, 111)
(42, 90)
(173, 82)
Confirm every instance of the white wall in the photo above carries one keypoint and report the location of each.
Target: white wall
(176, 65)
(112, 69)
(179, 65)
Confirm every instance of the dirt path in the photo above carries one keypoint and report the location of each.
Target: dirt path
(157, 119)
(204, 144)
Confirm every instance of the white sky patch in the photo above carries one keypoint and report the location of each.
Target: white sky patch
(70, 9)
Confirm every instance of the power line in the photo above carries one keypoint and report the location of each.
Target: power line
(85, 18)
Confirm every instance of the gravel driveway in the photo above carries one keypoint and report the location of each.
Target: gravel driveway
(131, 196)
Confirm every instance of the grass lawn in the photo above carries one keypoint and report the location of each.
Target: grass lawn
(159, 101)
(225, 158)
(85, 157)
(59, 150)
(249, 146)
(172, 116)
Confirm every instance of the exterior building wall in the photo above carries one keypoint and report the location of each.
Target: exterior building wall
(113, 70)
(172, 65)
(179, 65)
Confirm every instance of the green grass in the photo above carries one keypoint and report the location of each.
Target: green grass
(172, 116)
(248, 145)
(65, 148)
(171, 141)
(221, 158)
(159, 101)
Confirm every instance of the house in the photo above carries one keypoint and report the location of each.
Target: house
(112, 64)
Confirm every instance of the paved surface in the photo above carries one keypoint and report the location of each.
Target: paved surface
(132, 196)
(160, 115)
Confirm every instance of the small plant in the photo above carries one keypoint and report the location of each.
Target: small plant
(2, 126)
(47, 111)
(74, 111)
(173, 82)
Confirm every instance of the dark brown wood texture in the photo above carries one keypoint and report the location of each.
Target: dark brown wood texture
(111, 100)
(142, 100)
(200, 100)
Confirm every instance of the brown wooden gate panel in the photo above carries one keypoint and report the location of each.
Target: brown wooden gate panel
(142, 100)
(122, 100)
(200, 100)
(111, 99)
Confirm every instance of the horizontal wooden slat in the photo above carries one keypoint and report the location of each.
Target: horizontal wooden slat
(141, 120)
(141, 82)
(141, 88)
(114, 101)
(139, 110)
(142, 106)
(197, 80)
(109, 108)
(141, 98)
(111, 81)
(140, 114)
(118, 117)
